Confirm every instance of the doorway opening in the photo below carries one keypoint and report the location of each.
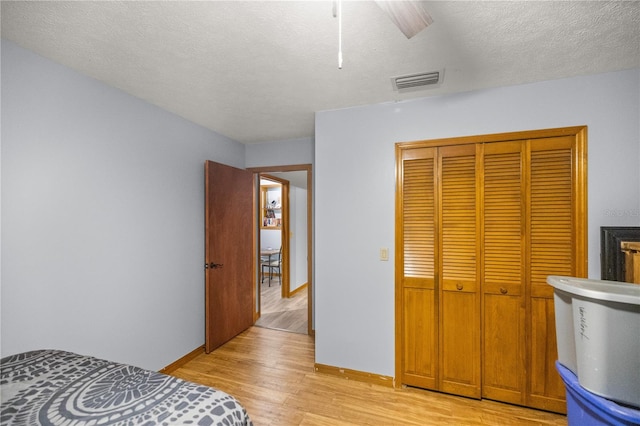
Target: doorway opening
(283, 255)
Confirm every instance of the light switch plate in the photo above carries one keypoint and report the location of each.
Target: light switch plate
(384, 253)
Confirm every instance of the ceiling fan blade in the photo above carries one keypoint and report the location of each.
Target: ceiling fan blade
(410, 16)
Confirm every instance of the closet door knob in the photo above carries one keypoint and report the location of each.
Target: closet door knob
(503, 290)
(459, 286)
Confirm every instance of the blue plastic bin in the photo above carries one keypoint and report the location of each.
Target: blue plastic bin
(588, 409)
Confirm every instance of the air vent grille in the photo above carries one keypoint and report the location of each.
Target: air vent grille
(416, 81)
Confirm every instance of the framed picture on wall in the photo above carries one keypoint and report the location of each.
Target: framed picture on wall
(612, 258)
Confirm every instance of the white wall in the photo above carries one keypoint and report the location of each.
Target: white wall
(270, 238)
(298, 239)
(279, 153)
(355, 190)
(102, 217)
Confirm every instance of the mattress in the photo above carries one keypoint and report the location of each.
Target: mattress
(52, 387)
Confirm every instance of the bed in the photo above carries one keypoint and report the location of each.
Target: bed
(51, 387)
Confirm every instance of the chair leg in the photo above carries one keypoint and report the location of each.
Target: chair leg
(269, 272)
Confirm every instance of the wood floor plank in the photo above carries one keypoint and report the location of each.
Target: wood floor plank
(272, 374)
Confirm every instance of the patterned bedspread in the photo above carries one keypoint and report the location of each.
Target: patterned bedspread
(49, 387)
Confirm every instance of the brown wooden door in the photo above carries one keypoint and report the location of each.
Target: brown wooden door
(553, 250)
(458, 251)
(418, 295)
(503, 283)
(229, 253)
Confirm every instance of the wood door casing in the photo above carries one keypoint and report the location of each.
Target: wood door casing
(229, 241)
(285, 274)
(307, 168)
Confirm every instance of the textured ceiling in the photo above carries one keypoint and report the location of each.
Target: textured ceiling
(257, 71)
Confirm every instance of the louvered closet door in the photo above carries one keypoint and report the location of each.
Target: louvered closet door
(458, 254)
(418, 291)
(503, 302)
(551, 252)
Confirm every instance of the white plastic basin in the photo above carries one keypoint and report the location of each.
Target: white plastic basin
(604, 319)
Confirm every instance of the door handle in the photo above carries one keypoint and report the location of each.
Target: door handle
(213, 265)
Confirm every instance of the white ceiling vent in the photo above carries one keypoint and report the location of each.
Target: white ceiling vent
(420, 81)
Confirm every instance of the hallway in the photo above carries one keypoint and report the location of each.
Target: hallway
(281, 313)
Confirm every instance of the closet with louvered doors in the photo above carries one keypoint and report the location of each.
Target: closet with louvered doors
(480, 223)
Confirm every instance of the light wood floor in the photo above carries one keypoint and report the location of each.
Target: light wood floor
(272, 374)
(280, 313)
